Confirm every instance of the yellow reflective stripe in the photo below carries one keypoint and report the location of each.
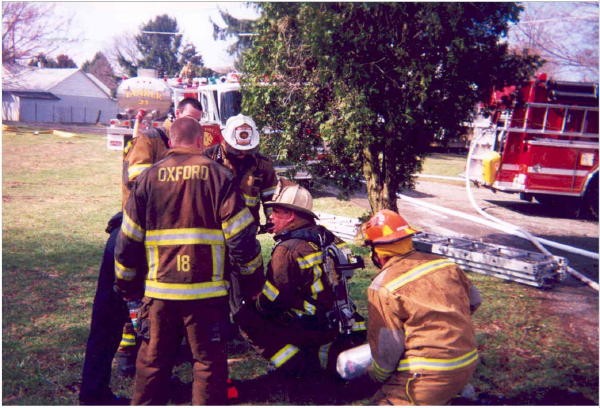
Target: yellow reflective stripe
(136, 170)
(269, 191)
(438, 364)
(324, 355)
(186, 291)
(237, 223)
(417, 272)
(310, 260)
(251, 201)
(380, 373)
(152, 260)
(359, 326)
(131, 229)
(128, 340)
(124, 273)
(309, 308)
(218, 259)
(282, 356)
(127, 147)
(184, 236)
(252, 266)
(341, 245)
(270, 291)
(317, 287)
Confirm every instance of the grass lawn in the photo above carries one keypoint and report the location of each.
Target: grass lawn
(59, 192)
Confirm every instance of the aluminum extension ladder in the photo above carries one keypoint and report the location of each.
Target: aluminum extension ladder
(512, 264)
(519, 265)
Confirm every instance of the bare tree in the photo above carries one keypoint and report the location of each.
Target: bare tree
(101, 69)
(31, 28)
(124, 49)
(565, 35)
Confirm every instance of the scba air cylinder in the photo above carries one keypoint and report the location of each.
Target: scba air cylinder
(354, 362)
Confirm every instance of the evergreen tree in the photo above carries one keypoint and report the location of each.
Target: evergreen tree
(64, 61)
(159, 47)
(43, 61)
(189, 54)
(240, 31)
(159, 43)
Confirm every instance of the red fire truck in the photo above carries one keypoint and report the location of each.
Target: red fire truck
(542, 142)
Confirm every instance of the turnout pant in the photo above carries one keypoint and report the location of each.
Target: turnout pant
(423, 388)
(109, 314)
(296, 346)
(161, 323)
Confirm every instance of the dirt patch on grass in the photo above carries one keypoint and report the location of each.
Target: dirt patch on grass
(578, 312)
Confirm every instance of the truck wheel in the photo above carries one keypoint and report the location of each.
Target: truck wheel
(590, 200)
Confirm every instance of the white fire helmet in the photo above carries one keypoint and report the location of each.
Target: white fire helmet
(237, 136)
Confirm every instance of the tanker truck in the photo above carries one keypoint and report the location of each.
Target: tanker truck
(146, 101)
(145, 94)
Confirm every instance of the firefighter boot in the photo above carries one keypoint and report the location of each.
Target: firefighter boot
(126, 361)
(127, 352)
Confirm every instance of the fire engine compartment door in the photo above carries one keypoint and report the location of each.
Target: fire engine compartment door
(554, 166)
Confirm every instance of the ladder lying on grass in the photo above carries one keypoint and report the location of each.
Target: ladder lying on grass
(519, 265)
(513, 264)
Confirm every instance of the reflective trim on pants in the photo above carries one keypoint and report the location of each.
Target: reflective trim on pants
(284, 355)
(438, 364)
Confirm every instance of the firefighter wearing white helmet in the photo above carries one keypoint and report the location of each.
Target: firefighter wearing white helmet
(420, 331)
(239, 152)
(252, 172)
(289, 322)
(240, 133)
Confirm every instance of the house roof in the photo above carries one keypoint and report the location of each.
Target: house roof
(33, 79)
(99, 83)
(34, 95)
(21, 78)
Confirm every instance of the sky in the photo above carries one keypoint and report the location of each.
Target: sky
(97, 24)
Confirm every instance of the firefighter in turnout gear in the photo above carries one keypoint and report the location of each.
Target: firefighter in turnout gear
(181, 216)
(253, 173)
(289, 323)
(148, 147)
(420, 331)
(111, 333)
(239, 153)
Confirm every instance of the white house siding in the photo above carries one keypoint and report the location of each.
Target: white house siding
(85, 109)
(10, 107)
(54, 95)
(78, 84)
(69, 109)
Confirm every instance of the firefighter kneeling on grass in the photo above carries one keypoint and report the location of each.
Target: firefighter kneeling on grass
(420, 332)
(290, 323)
